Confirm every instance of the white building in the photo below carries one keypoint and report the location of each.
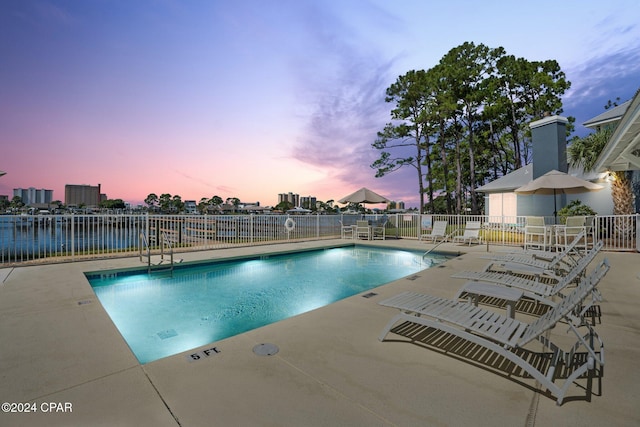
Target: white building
(32, 196)
(549, 153)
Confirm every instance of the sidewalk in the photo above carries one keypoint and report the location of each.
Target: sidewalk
(62, 355)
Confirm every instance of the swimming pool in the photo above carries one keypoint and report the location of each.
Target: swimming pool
(159, 315)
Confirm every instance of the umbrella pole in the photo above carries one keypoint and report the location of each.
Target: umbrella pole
(555, 207)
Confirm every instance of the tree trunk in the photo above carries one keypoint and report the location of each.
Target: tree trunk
(458, 178)
(445, 166)
(429, 175)
(472, 167)
(622, 195)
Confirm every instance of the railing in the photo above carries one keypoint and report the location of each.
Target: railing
(144, 250)
(60, 238)
(618, 232)
(146, 253)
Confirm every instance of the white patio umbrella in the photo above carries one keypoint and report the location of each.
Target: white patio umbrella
(364, 195)
(556, 182)
(299, 210)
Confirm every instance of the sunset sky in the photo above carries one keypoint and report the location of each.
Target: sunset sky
(251, 98)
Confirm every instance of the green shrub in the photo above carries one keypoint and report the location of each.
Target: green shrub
(574, 208)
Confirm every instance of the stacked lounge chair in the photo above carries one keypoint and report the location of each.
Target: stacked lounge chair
(533, 287)
(507, 336)
(536, 263)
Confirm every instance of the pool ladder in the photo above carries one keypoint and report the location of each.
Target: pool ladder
(446, 238)
(165, 246)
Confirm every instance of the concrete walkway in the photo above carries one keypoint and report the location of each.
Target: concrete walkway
(61, 355)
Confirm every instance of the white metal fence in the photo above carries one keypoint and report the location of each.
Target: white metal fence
(58, 238)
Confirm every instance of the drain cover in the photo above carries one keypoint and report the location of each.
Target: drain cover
(265, 349)
(167, 334)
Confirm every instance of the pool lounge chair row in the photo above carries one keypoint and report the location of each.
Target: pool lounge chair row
(536, 263)
(469, 234)
(570, 249)
(536, 233)
(507, 336)
(533, 287)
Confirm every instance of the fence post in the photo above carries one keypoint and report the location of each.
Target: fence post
(73, 240)
(637, 235)
(251, 227)
(146, 229)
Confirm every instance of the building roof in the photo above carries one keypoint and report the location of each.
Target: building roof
(611, 115)
(623, 149)
(524, 175)
(510, 181)
(622, 152)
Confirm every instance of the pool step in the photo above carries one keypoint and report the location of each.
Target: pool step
(162, 265)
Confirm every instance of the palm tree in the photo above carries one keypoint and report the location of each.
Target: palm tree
(583, 152)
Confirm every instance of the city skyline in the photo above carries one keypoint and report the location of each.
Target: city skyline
(40, 197)
(248, 100)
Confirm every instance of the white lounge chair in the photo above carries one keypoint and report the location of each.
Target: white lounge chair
(506, 336)
(471, 233)
(537, 263)
(532, 288)
(536, 254)
(439, 231)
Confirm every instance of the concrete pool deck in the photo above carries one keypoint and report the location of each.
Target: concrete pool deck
(61, 354)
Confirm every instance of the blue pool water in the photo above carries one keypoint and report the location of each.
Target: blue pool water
(160, 316)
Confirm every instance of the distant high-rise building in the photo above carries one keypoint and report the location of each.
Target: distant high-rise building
(393, 205)
(308, 202)
(33, 196)
(190, 206)
(294, 199)
(85, 195)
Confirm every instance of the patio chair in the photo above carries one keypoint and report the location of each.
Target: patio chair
(575, 225)
(471, 233)
(531, 288)
(536, 233)
(439, 231)
(347, 231)
(507, 337)
(590, 224)
(379, 230)
(363, 229)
